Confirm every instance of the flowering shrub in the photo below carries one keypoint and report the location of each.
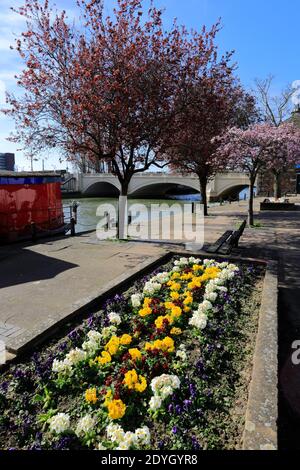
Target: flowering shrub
(146, 374)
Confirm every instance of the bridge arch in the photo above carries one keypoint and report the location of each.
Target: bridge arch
(162, 189)
(232, 190)
(102, 189)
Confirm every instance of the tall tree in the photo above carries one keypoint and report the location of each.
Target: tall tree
(258, 147)
(212, 102)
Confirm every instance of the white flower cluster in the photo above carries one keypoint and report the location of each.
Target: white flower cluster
(114, 318)
(93, 342)
(161, 278)
(59, 423)
(85, 425)
(136, 300)
(181, 353)
(151, 288)
(212, 289)
(89, 348)
(162, 386)
(72, 358)
(127, 440)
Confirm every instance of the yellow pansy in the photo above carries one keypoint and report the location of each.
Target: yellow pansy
(133, 381)
(116, 409)
(175, 286)
(113, 345)
(169, 305)
(125, 340)
(175, 295)
(108, 397)
(176, 331)
(135, 354)
(105, 358)
(176, 312)
(91, 395)
(144, 312)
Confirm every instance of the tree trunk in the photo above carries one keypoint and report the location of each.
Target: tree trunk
(203, 187)
(277, 185)
(251, 198)
(122, 211)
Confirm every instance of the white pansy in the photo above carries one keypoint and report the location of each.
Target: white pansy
(75, 356)
(114, 318)
(126, 440)
(155, 403)
(90, 347)
(136, 300)
(205, 306)
(108, 331)
(143, 436)
(211, 296)
(181, 354)
(129, 439)
(85, 425)
(62, 367)
(123, 446)
(161, 278)
(162, 386)
(115, 432)
(151, 288)
(59, 423)
(199, 320)
(176, 269)
(94, 336)
(166, 391)
(181, 262)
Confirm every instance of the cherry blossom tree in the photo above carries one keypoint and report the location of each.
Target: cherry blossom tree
(259, 147)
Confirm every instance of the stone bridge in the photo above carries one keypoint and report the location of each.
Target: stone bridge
(157, 185)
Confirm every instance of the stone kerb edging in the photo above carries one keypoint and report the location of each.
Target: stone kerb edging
(262, 409)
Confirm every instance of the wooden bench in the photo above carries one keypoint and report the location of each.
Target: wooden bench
(233, 241)
(218, 244)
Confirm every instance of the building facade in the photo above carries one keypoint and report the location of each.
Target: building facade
(7, 161)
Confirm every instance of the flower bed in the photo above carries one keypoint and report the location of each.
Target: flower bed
(160, 367)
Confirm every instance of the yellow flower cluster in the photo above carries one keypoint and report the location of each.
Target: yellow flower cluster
(146, 310)
(136, 382)
(116, 409)
(113, 345)
(174, 286)
(135, 354)
(176, 331)
(166, 345)
(104, 358)
(125, 340)
(197, 281)
(115, 342)
(91, 395)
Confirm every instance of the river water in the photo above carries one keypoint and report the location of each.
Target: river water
(88, 219)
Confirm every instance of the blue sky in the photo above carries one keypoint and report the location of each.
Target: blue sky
(263, 33)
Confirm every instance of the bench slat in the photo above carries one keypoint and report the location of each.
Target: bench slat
(233, 242)
(217, 245)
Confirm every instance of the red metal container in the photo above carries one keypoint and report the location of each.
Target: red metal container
(30, 203)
